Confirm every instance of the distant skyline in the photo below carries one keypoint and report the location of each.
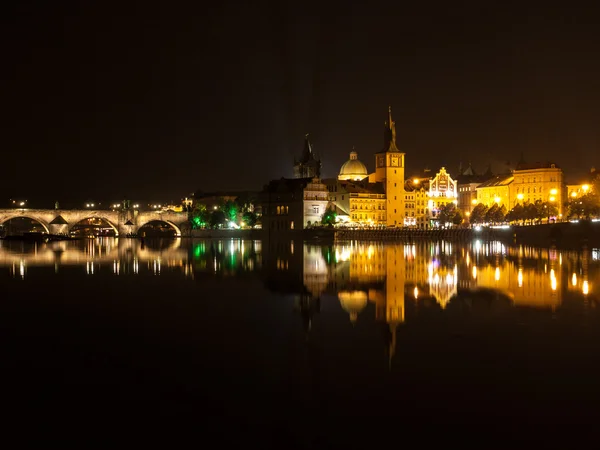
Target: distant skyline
(103, 101)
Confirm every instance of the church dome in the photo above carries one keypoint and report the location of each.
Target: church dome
(353, 302)
(353, 169)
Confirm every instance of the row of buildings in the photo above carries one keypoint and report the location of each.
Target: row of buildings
(389, 198)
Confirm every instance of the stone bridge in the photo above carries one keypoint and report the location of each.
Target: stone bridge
(61, 221)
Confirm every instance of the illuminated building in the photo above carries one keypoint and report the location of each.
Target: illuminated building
(416, 199)
(496, 190)
(353, 169)
(389, 170)
(468, 181)
(358, 203)
(443, 190)
(309, 165)
(533, 182)
(293, 204)
(577, 190)
(376, 199)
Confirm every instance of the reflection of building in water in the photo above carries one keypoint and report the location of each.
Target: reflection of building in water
(526, 285)
(120, 256)
(316, 270)
(353, 302)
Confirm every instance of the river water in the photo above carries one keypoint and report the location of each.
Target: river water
(295, 345)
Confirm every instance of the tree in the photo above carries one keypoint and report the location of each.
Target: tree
(500, 215)
(230, 209)
(329, 217)
(458, 218)
(492, 213)
(530, 212)
(584, 207)
(449, 213)
(478, 214)
(516, 214)
(199, 216)
(249, 218)
(217, 218)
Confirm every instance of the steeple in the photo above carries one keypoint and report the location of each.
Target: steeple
(307, 151)
(389, 134)
(308, 166)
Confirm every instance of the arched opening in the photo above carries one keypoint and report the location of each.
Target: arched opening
(159, 228)
(22, 226)
(93, 227)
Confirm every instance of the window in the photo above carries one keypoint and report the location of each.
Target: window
(316, 209)
(279, 210)
(292, 225)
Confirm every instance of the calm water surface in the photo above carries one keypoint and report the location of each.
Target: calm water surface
(294, 345)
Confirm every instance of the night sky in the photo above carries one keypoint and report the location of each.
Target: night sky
(103, 99)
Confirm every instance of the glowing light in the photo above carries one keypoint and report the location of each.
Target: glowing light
(553, 191)
(416, 292)
(520, 277)
(497, 274)
(573, 194)
(473, 202)
(497, 199)
(552, 199)
(416, 181)
(520, 196)
(585, 187)
(552, 280)
(574, 279)
(585, 288)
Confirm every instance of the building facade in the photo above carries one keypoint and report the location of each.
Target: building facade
(496, 190)
(389, 170)
(293, 204)
(443, 190)
(538, 182)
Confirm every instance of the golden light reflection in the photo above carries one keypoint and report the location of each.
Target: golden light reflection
(585, 288)
(520, 277)
(497, 274)
(574, 279)
(474, 272)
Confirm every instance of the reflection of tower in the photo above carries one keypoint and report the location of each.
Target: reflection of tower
(389, 305)
(308, 307)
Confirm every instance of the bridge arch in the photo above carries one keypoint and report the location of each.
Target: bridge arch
(101, 217)
(168, 222)
(26, 216)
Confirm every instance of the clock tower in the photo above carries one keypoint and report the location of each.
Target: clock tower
(389, 170)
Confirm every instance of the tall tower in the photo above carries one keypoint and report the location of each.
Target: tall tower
(389, 170)
(309, 165)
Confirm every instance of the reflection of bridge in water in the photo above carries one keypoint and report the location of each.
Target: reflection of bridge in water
(97, 252)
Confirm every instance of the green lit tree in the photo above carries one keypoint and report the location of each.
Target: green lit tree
(199, 216)
(231, 210)
(329, 217)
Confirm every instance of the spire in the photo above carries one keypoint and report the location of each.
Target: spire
(389, 134)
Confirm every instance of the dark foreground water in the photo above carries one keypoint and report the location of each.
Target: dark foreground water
(289, 345)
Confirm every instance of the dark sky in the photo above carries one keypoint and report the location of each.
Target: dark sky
(113, 99)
